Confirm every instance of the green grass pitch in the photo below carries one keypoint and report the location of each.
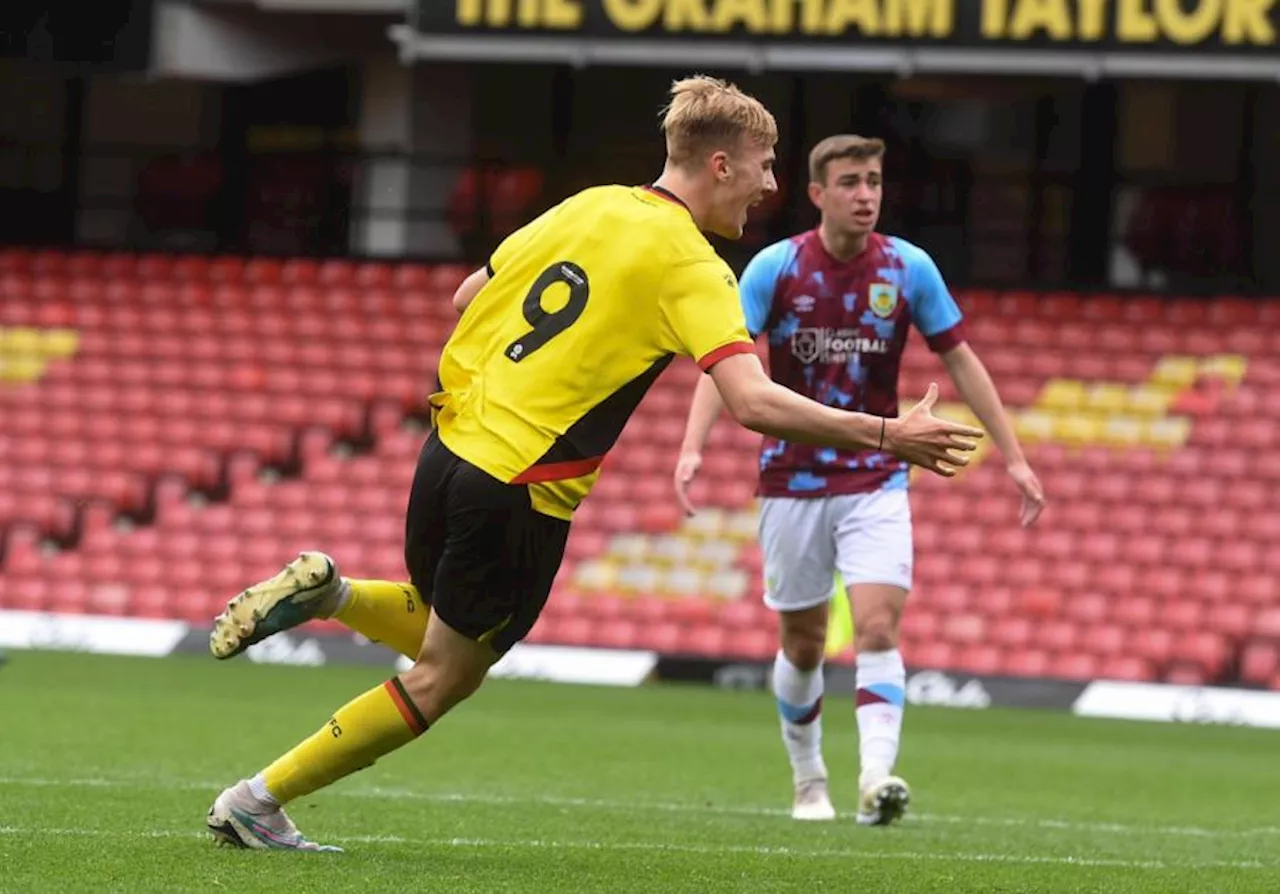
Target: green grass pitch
(107, 766)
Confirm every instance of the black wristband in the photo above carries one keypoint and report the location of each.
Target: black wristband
(880, 446)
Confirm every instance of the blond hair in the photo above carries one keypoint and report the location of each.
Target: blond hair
(850, 146)
(706, 114)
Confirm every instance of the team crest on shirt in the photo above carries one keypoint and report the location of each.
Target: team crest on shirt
(883, 298)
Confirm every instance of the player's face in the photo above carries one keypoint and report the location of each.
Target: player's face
(850, 198)
(743, 179)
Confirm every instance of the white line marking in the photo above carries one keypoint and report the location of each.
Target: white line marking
(99, 833)
(1058, 825)
(701, 850)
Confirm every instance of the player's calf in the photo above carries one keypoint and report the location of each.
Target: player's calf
(797, 689)
(450, 668)
(881, 677)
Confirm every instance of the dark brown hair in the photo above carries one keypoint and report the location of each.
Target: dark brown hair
(843, 145)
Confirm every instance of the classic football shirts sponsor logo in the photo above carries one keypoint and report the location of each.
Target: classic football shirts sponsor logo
(827, 345)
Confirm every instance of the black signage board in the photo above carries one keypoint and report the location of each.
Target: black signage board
(1231, 27)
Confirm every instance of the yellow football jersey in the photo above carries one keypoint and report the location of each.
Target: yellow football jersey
(586, 306)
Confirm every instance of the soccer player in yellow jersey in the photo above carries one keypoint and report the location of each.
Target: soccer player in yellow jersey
(561, 334)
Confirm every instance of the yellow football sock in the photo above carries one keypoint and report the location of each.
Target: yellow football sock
(386, 612)
(363, 730)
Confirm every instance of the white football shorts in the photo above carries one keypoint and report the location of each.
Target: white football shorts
(865, 537)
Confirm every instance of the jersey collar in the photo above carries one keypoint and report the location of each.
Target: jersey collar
(666, 194)
(873, 242)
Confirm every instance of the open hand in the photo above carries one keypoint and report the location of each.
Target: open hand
(686, 469)
(1033, 500)
(924, 440)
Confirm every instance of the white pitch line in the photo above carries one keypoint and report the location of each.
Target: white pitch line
(733, 810)
(1052, 824)
(98, 833)
(672, 848)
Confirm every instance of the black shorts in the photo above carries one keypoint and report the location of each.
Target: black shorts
(479, 554)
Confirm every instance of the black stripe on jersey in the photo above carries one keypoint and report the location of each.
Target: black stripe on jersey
(598, 430)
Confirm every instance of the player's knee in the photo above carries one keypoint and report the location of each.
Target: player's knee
(876, 634)
(803, 650)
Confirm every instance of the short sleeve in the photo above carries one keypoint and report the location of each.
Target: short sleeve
(702, 310)
(933, 309)
(760, 283)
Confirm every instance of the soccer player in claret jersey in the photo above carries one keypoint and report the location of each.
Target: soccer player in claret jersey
(836, 303)
(560, 336)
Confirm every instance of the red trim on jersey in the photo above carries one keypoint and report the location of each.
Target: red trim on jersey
(734, 347)
(558, 471)
(947, 339)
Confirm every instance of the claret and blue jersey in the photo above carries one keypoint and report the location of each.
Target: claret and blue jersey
(836, 332)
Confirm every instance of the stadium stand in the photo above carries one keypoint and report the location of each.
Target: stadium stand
(159, 409)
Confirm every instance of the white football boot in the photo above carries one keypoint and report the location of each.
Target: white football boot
(883, 801)
(813, 802)
(238, 819)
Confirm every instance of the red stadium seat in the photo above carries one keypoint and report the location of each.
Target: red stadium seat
(1012, 631)
(691, 611)
(711, 641)
(920, 626)
(931, 655)
(1259, 589)
(1232, 619)
(664, 637)
(1154, 644)
(979, 659)
(1186, 674)
(1026, 663)
(752, 644)
(1205, 649)
(617, 634)
(1259, 662)
(1088, 608)
(964, 628)
(1073, 666)
(22, 593)
(1126, 668)
(1040, 602)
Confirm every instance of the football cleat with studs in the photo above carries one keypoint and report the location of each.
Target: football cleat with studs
(296, 595)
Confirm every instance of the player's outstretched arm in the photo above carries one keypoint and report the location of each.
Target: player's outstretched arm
(703, 412)
(919, 437)
(469, 289)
